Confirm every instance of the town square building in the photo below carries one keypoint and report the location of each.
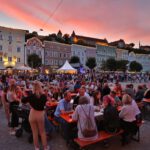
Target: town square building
(12, 47)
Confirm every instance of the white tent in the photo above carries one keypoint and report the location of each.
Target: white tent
(22, 68)
(67, 68)
(2, 68)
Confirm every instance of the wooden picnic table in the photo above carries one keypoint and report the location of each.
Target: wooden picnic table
(52, 104)
(146, 100)
(68, 116)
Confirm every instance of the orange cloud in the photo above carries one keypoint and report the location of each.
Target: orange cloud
(24, 16)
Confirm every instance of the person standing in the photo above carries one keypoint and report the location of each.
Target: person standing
(37, 101)
(13, 104)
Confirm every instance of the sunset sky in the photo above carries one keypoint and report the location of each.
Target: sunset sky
(111, 19)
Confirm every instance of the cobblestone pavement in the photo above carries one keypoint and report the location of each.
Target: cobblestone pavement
(8, 142)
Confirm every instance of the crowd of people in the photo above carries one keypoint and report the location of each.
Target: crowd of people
(101, 93)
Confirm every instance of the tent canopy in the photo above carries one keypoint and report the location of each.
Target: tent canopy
(22, 68)
(2, 68)
(67, 68)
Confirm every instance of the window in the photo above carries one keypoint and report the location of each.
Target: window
(18, 49)
(1, 47)
(46, 62)
(28, 51)
(9, 58)
(1, 36)
(1, 59)
(18, 59)
(10, 39)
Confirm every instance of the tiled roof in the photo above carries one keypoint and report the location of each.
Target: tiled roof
(92, 39)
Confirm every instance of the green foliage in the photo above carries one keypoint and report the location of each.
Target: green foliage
(91, 63)
(114, 65)
(74, 59)
(111, 64)
(67, 39)
(104, 66)
(121, 65)
(30, 35)
(135, 66)
(34, 61)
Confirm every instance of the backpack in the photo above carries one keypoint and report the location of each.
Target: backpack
(111, 119)
(89, 130)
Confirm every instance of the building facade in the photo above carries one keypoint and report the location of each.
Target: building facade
(144, 60)
(83, 52)
(103, 53)
(34, 46)
(12, 47)
(121, 54)
(56, 53)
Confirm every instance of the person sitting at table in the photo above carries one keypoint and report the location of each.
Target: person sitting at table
(139, 94)
(147, 94)
(64, 106)
(111, 120)
(128, 118)
(48, 94)
(84, 116)
(82, 92)
(95, 100)
(118, 89)
(115, 98)
(105, 90)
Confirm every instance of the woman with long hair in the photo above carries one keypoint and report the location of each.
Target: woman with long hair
(14, 102)
(95, 100)
(37, 101)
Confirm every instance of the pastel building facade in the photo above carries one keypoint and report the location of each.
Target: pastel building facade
(103, 53)
(83, 52)
(12, 47)
(143, 59)
(121, 54)
(34, 46)
(56, 53)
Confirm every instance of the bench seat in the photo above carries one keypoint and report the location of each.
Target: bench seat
(102, 135)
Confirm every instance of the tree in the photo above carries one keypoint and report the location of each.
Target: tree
(30, 35)
(103, 65)
(135, 66)
(121, 65)
(67, 39)
(34, 61)
(91, 63)
(74, 59)
(111, 64)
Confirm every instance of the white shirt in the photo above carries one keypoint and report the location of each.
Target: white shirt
(135, 107)
(128, 113)
(79, 115)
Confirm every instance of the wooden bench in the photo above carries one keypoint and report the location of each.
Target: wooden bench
(53, 121)
(102, 135)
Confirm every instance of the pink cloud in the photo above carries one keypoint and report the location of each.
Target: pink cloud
(109, 19)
